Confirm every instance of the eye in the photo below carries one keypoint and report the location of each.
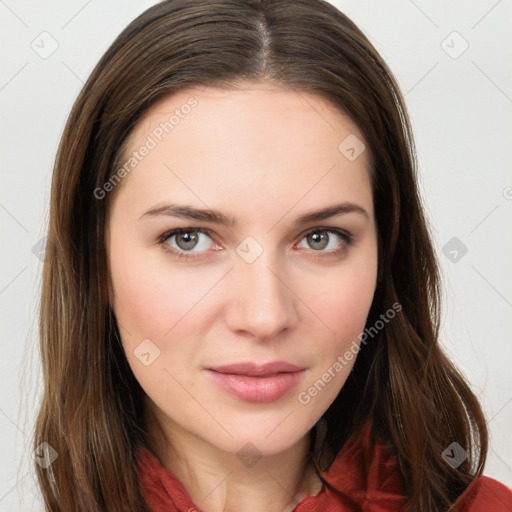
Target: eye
(189, 243)
(332, 240)
(190, 240)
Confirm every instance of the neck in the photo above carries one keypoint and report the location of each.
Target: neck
(233, 481)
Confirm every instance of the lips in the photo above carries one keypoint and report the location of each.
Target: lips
(258, 370)
(252, 382)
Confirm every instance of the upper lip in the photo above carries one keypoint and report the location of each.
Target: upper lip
(253, 369)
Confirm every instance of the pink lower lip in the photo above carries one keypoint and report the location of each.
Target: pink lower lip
(256, 389)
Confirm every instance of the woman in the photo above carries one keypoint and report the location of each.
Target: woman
(240, 297)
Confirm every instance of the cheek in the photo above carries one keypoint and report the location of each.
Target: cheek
(343, 299)
(140, 299)
(341, 302)
(152, 306)
(149, 298)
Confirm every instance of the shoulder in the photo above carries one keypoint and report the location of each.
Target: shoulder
(485, 494)
(366, 471)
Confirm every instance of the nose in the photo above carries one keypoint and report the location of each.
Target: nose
(262, 303)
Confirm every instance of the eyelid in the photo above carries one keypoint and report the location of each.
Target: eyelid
(347, 241)
(330, 229)
(176, 231)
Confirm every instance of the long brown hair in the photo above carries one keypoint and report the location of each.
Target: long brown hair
(92, 413)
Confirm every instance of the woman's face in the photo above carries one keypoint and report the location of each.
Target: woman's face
(277, 261)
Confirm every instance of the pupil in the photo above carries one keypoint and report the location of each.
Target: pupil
(187, 240)
(320, 239)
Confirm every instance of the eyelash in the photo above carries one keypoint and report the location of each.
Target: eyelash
(347, 238)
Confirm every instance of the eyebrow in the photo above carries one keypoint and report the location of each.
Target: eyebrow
(216, 217)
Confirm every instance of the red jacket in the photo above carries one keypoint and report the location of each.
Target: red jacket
(365, 479)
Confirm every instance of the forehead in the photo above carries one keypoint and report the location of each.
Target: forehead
(254, 141)
(248, 107)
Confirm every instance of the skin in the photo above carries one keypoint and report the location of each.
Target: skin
(264, 156)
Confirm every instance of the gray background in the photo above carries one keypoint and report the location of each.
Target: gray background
(460, 102)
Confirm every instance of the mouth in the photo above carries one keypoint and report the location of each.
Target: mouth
(251, 369)
(257, 383)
